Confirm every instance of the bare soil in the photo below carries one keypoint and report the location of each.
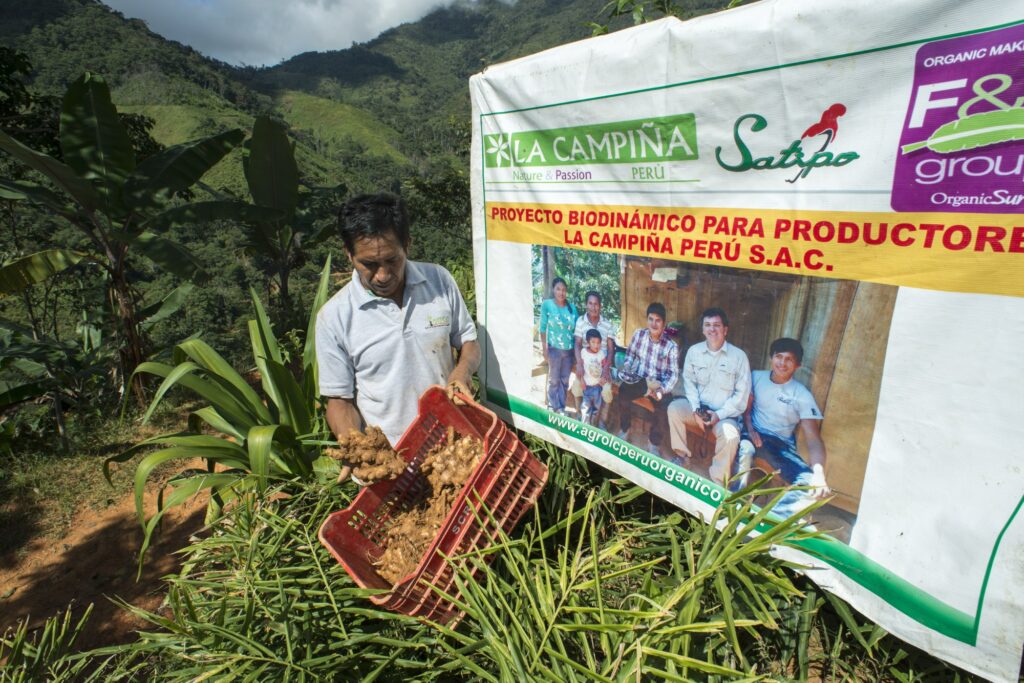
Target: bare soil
(94, 561)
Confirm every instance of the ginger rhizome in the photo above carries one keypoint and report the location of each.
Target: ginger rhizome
(447, 467)
(370, 455)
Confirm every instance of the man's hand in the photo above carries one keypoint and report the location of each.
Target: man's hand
(756, 439)
(819, 487)
(458, 383)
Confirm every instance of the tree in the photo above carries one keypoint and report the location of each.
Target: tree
(284, 219)
(641, 11)
(121, 207)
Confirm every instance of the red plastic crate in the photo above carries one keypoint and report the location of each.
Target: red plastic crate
(507, 480)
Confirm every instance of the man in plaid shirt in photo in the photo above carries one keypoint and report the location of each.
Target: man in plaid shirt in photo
(651, 370)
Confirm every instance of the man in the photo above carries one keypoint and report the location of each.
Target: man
(716, 380)
(652, 361)
(778, 407)
(593, 320)
(389, 333)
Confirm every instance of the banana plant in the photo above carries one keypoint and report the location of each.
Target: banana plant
(283, 219)
(122, 208)
(264, 437)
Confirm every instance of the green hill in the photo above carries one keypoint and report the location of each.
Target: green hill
(189, 95)
(365, 116)
(333, 123)
(415, 77)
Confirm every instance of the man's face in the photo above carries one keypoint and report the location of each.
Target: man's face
(594, 344)
(380, 263)
(714, 331)
(593, 307)
(656, 325)
(784, 364)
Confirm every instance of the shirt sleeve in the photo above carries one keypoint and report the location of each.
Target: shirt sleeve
(633, 351)
(613, 331)
(673, 368)
(578, 330)
(737, 401)
(808, 407)
(335, 367)
(462, 329)
(544, 317)
(690, 380)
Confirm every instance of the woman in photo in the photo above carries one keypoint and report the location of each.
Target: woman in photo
(557, 324)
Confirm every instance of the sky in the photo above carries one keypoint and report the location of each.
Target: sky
(264, 32)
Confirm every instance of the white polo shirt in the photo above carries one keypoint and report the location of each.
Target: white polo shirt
(385, 356)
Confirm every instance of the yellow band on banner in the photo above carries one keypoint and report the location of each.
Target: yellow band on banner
(981, 253)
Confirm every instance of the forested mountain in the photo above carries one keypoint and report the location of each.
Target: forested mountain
(401, 95)
(189, 95)
(414, 77)
(392, 113)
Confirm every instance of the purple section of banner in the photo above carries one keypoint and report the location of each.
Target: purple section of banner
(967, 104)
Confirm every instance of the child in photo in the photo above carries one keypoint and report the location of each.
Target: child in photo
(593, 356)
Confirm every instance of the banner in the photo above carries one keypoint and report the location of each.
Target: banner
(783, 240)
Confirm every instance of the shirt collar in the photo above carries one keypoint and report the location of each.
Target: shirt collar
(364, 297)
(724, 349)
(661, 340)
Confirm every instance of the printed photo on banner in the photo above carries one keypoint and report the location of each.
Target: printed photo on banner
(726, 373)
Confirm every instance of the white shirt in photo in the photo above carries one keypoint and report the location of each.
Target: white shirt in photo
(593, 366)
(778, 408)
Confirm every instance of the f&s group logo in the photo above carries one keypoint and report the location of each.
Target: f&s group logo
(962, 146)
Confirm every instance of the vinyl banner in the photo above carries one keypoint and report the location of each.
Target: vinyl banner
(784, 240)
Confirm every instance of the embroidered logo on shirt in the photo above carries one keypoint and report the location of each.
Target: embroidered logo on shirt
(438, 321)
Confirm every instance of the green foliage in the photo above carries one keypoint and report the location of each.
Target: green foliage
(35, 268)
(113, 203)
(261, 599)
(640, 11)
(328, 124)
(266, 438)
(49, 654)
(32, 367)
(25, 115)
(439, 210)
(601, 582)
(627, 597)
(583, 271)
(283, 220)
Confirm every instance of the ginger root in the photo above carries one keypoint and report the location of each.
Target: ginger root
(370, 455)
(447, 467)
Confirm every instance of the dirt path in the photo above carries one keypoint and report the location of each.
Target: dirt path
(94, 561)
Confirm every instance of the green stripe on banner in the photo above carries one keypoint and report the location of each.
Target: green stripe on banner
(901, 594)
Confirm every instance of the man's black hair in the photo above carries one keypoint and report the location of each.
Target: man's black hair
(590, 294)
(658, 310)
(373, 215)
(785, 344)
(714, 313)
(592, 334)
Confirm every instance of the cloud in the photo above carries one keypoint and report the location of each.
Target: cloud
(264, 32)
